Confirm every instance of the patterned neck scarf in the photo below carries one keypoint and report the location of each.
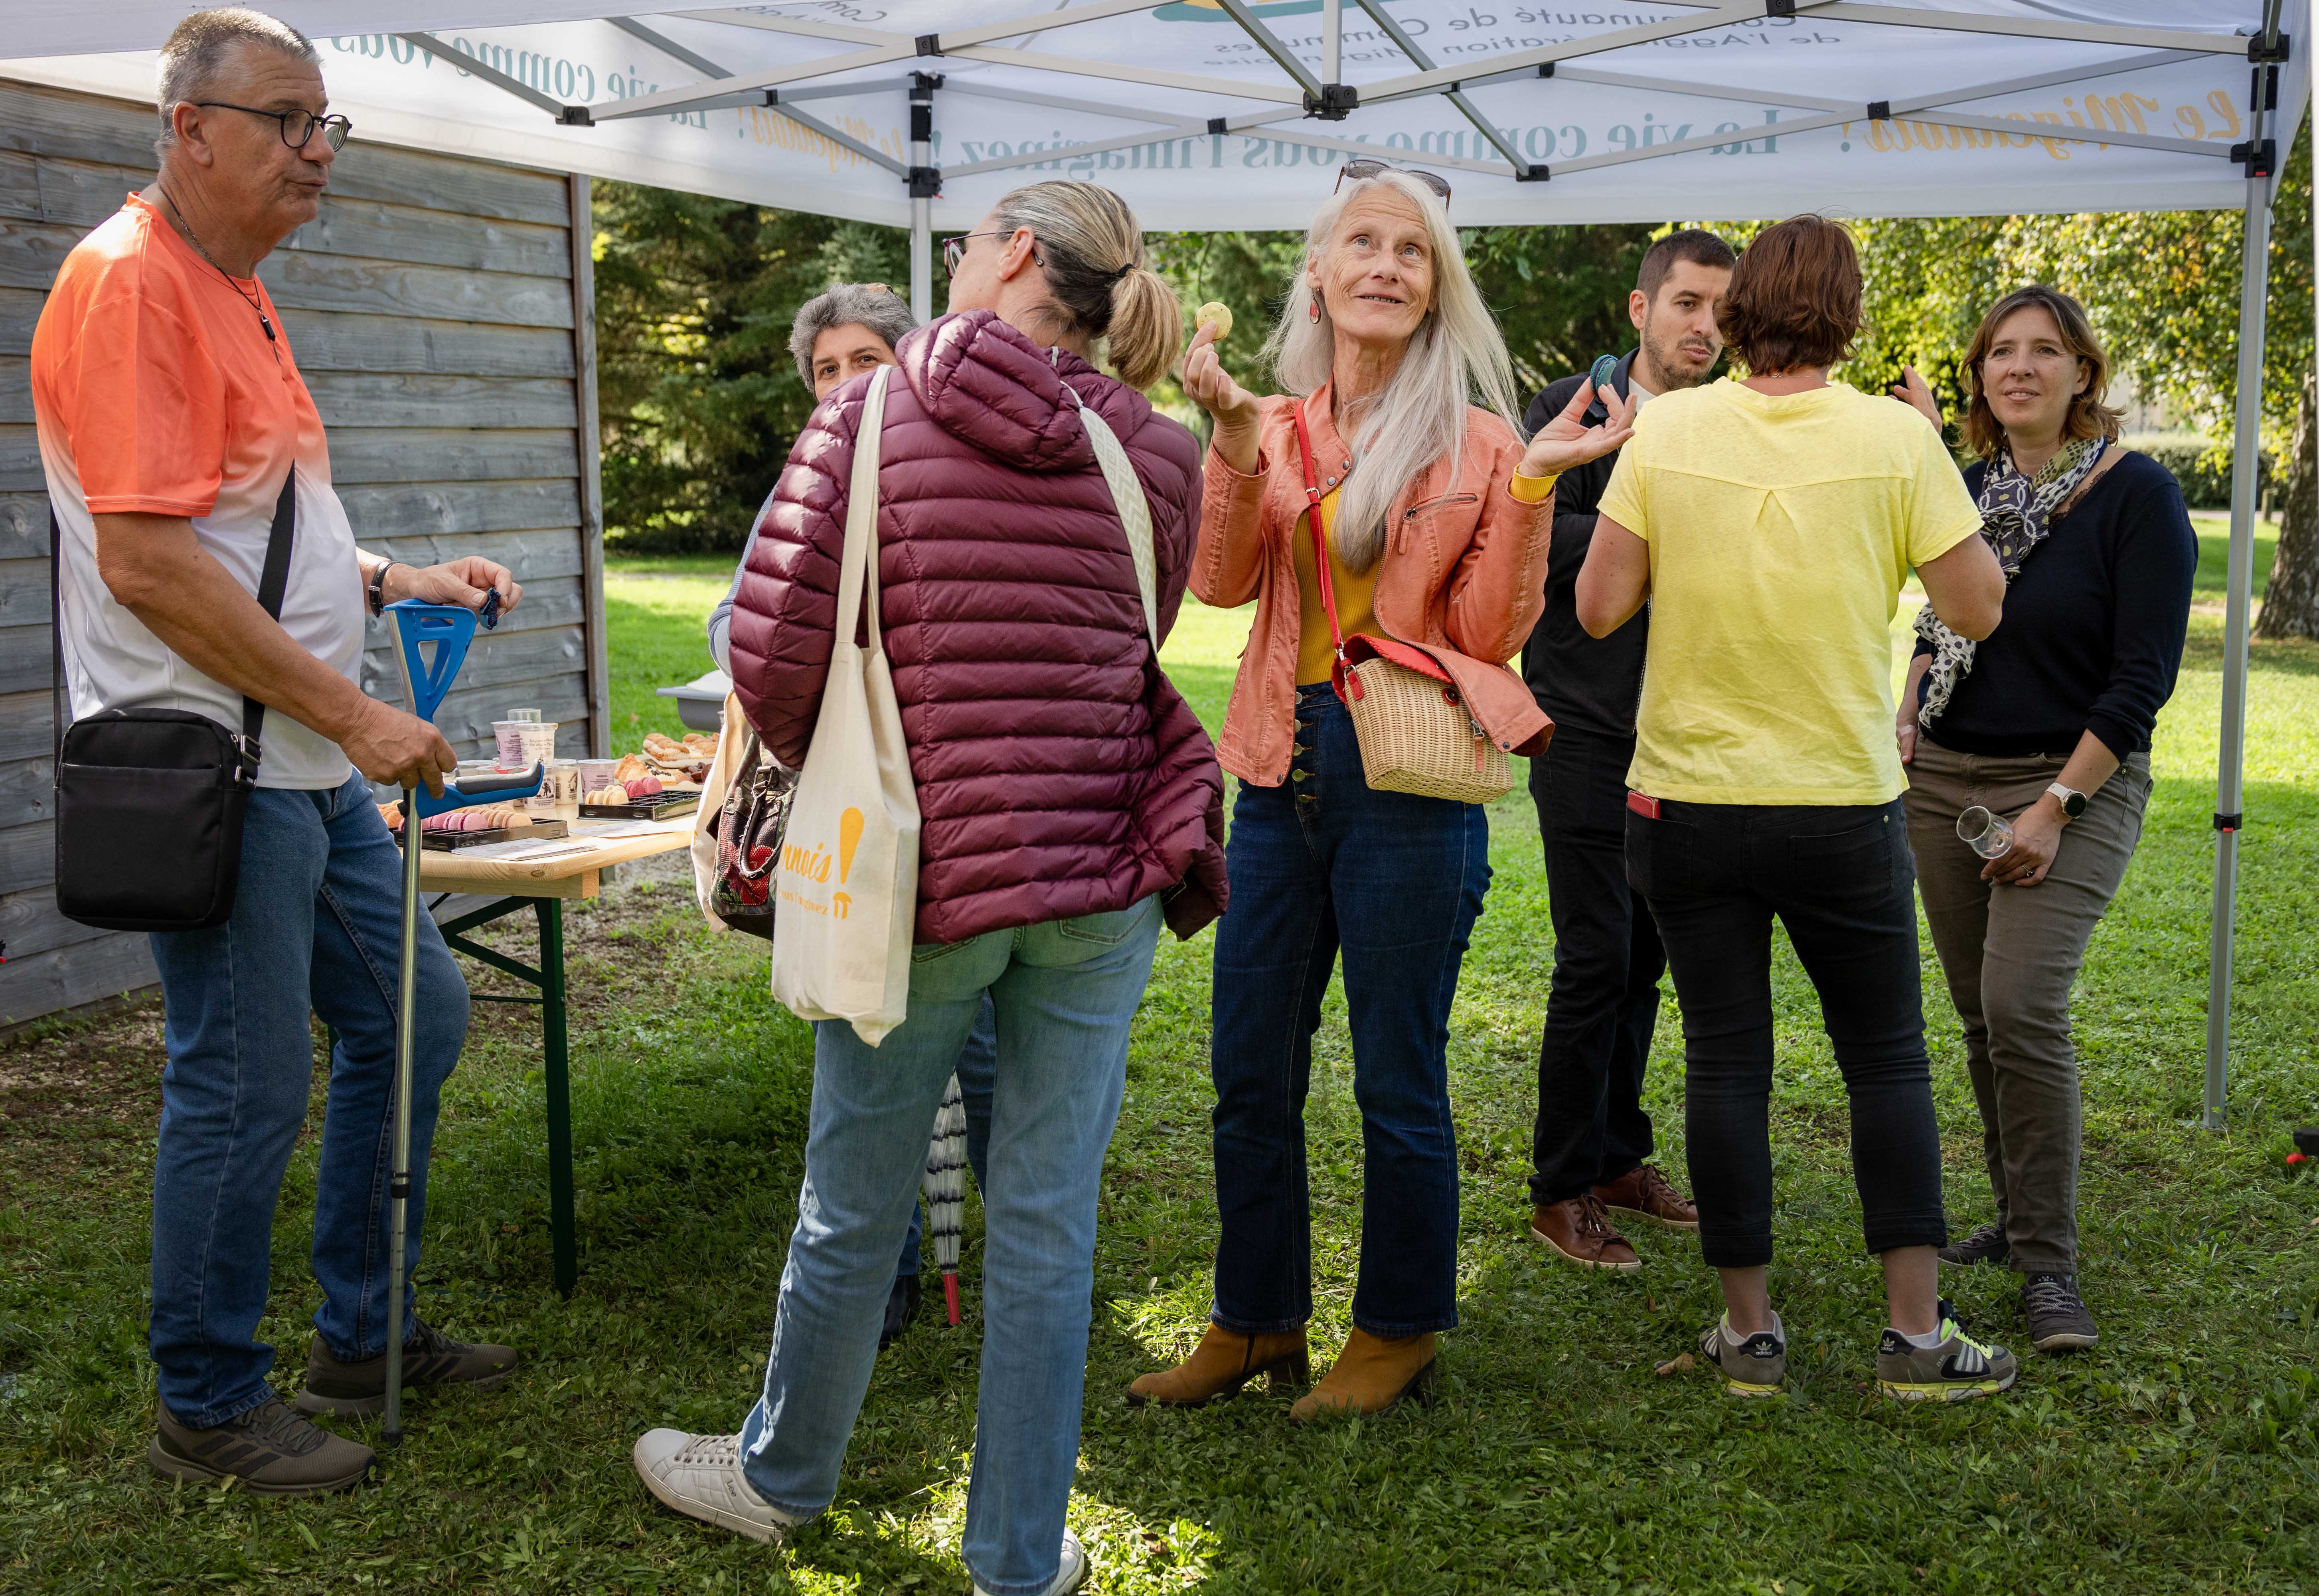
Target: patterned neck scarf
(2015, 510)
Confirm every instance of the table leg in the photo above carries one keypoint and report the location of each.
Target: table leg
(559, 1094)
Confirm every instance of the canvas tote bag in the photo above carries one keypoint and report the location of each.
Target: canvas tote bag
(848, 878)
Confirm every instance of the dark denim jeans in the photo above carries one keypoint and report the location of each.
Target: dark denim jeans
(1840, 879)
(1604, 1003)
(316, 927)
(1317, 863)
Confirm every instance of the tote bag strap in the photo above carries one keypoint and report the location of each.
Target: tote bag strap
(857, 570)
(1134, 512)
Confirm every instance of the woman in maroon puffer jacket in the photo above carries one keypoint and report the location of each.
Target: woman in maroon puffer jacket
(1066, 791)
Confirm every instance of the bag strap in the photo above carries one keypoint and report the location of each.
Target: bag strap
(57, 633)
(272, 584)
(1341, 670)
(1135, 509)
(857, 570)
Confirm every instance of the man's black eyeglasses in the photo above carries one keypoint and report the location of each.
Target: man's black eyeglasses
(297, 126)
(1360, 169)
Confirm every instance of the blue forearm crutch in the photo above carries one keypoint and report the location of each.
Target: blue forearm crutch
(430, 643)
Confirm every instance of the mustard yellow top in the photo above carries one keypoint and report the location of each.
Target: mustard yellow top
(1354, 591)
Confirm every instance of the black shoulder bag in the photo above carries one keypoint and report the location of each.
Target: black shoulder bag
(149, 802)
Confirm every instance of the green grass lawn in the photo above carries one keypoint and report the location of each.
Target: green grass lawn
(2183, 1455)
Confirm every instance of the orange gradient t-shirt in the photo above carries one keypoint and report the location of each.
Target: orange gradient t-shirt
(155, 389)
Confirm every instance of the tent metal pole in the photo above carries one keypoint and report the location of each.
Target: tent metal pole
(1332, 34)
(922, 201)
(2246, 442)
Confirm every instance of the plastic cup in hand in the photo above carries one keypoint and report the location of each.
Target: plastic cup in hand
(1987, 834)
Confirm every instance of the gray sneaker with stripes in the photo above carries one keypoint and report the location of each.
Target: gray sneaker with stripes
(1956, 1368)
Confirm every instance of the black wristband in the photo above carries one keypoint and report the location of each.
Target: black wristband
(376, 589)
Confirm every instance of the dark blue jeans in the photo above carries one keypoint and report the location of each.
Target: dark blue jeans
(1318, 864)
(316, 927)
(1840, 877)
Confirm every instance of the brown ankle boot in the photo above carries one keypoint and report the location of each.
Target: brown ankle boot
(1372, 1374)
(1224, 1361)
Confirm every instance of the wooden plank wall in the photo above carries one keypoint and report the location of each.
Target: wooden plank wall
(440, 309)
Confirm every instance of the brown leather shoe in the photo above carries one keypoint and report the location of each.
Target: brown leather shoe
(1224, 1361)
(1371, 1375)
(1576, 1229)
(1645, 1194)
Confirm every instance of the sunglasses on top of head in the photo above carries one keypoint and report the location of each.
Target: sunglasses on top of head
(1361, 170)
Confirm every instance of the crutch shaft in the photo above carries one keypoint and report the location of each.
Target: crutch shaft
(398, 1186)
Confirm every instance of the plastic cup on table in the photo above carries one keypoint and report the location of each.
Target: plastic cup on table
(536, 742)
(1988, 834)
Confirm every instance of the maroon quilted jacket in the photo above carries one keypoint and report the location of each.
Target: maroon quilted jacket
(1059, 772)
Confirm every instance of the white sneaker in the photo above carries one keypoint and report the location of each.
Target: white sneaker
(700, 1475)
(1069, 1577)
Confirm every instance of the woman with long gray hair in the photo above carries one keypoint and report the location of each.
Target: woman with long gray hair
(1436, 518)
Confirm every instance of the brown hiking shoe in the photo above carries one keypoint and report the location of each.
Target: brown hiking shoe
(1645, 1194)
(1224, 1361)
(1577, 1229)
(1371, 1376)
(271, 1450)
(430, 1357)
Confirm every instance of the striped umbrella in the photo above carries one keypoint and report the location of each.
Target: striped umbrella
(945, 1188)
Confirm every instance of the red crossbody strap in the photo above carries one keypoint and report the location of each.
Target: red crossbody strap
(1338, 673)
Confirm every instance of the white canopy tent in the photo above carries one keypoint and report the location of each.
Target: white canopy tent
(1232, 115)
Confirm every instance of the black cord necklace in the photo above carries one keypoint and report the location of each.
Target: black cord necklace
(202, 249)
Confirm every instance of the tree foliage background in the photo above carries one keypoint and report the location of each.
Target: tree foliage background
(701, 400)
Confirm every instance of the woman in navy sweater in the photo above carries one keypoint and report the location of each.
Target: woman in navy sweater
(2046, 723)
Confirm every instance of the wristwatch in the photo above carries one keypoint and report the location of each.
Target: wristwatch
(376, 589)
(2073, 802)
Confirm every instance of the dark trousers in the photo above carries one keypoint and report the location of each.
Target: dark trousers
(1320, 863)
(1840, 879)
(1604, 1003)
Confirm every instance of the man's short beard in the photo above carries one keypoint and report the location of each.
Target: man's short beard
(1652, 353)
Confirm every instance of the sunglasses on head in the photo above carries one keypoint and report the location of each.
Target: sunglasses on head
(1361, 170)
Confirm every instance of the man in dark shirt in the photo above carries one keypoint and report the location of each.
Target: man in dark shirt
(1593, 1141)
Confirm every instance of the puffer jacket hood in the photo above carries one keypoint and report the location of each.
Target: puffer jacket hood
(1059, 772)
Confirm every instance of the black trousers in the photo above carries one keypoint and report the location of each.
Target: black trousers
(1841, 880)
(1604, 1002)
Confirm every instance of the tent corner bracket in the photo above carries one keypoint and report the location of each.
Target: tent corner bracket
(925, 182)
(1536, 172)
(929, 44)
(1333, 103)
(2260, 159)
(576, 116)
(2271, 54)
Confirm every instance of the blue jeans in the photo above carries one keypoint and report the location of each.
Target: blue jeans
(1319, 863)
(978, 1063)
(1064, 994)
(316, 927)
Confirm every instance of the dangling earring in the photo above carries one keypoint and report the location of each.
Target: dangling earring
(1313, 313)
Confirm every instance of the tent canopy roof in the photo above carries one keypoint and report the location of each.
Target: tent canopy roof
(1220, 113)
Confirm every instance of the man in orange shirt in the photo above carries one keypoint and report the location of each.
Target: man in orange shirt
(170, 415)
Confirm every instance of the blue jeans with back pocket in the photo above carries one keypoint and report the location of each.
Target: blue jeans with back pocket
(1063, 994)
(1841, 880)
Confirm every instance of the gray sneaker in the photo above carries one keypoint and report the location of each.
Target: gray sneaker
(270, 1449)
(1069, 1576)
(429, 1357)
(1987, 1245)
(2057, 1316)
(1750, 1367)
(1957, 1369)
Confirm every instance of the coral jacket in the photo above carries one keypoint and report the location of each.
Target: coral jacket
(1464, 576)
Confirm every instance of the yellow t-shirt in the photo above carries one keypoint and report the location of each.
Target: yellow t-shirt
(1354, 591)
(1781, 528)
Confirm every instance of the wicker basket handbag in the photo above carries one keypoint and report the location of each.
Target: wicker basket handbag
(1415, 731)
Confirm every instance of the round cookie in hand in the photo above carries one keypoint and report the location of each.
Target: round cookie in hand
(1221, 314)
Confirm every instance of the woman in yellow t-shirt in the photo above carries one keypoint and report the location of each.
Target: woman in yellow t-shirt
(1771, 520)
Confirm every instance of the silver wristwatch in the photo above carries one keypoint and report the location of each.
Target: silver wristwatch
(2073, 802)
